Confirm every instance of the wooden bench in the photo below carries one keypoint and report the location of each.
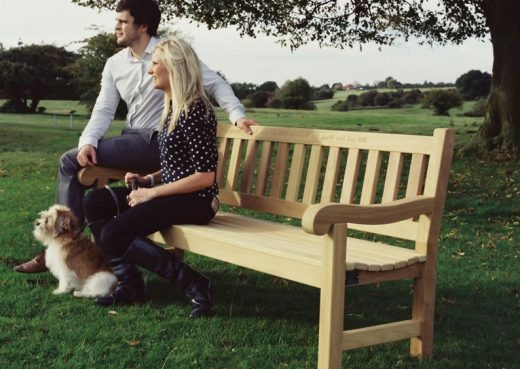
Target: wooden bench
(383, 184)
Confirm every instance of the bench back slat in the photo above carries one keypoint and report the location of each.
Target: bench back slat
(351, 175)
(330, 181)
(234, 164)
(222, 160)
(295, 173)
(263, 168)
(249, 166)
(393, 176)
(283, 171)
(313, 175)
(416, 177)
(280, 168)
(371, 178)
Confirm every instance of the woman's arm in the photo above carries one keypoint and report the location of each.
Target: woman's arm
(195, 182)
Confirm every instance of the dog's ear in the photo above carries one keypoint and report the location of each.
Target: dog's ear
(62, 224)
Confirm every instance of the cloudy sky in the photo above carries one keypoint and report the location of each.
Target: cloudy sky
(60, 22)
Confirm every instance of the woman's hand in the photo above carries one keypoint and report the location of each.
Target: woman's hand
(139, 196)
(141, 181)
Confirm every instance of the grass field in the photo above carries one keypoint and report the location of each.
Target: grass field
(261, 322)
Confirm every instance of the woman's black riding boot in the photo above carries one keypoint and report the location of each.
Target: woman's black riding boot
(195, 286)
(130, 288)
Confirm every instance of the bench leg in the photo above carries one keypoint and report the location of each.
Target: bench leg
(423, 309)
(332, 299)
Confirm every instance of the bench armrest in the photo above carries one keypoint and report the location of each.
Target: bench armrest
(88, 176)
(318, 218)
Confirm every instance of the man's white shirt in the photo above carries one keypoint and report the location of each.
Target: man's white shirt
(126, 77)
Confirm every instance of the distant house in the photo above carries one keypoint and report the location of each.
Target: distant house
(349, 86)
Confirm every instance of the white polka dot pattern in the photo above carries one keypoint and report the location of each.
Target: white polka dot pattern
(191, 147)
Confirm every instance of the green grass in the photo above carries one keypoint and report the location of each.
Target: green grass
(262, 322)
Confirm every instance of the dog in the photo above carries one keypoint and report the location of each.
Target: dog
(71, 257)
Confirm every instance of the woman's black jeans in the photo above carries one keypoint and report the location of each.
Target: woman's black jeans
(115, 224)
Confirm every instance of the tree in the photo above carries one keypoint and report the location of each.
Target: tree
(243, 89)
(31, 73)
(88, 67)
(391, 83)
(350, 22)
(381, 99)
(296, 94)
(323, 93)
(269, 86)
(443, 100)
(473, 84)
(259, 99)
(367, 98)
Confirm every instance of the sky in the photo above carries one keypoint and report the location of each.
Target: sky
(254, 60)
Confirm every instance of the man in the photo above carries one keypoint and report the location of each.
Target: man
(125, 77)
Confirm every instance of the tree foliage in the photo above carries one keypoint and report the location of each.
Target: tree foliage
(88, 67)
(442, 101)
(296, 94)
(474, 84)
(323, 93)
(375, 99)
(31, 73)
(332, 23)
(243, 89)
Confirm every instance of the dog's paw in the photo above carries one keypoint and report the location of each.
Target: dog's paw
(79, 294)
(59, 291)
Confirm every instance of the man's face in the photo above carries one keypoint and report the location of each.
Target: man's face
(127, 33)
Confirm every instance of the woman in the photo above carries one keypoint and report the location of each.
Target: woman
(120, 218)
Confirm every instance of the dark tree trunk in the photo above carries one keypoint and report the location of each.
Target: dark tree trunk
(34, 104)
(501, 128)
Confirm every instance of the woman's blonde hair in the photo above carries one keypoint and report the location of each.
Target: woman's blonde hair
(185, 78)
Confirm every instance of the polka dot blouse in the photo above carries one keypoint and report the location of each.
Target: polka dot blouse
(191, 147)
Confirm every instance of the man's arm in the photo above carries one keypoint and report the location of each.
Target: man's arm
(103, 112)
(223, 93)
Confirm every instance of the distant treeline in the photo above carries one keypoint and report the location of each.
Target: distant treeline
(31, 73)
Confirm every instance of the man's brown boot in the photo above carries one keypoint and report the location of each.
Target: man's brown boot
(36, 265)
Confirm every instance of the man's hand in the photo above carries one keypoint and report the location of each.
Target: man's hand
(87, 156)
(245, 124)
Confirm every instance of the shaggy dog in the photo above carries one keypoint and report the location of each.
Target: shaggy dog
(71, 257)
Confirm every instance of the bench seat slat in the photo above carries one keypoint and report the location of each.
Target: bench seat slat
(362, 255)
(255, 237)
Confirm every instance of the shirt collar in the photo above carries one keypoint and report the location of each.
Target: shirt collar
(151, 45)
(148, 51)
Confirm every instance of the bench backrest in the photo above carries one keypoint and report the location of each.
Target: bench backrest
(282, 171)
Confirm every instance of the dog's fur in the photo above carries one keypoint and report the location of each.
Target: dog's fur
(71, 257)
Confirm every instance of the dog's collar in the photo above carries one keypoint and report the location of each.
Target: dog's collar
(80, 231)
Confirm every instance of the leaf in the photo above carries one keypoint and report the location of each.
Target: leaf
(134, 342)
(112, 312)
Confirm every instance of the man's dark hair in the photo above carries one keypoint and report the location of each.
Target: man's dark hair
(145, 13)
